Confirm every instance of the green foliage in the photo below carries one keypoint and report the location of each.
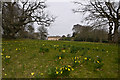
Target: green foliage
(52, 72)
(74, 49)
(43, 50)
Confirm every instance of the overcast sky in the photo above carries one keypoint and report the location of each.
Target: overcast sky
(65, 18)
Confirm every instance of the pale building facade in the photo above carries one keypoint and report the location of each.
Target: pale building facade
(55, 38)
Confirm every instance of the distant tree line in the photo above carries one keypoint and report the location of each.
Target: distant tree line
(87, 33)
(18, 19)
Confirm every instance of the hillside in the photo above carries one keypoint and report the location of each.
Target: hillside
(60, 59)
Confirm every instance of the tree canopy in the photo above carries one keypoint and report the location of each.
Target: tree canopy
(16, 15)
(100, 14)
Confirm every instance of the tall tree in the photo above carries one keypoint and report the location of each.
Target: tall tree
(101, 13)
(18, 14)
(43, 33)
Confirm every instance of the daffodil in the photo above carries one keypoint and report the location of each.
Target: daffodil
(32, 73)
(7, 56)
(69, 66)
(1, 54)
(5, 74)
(68, 69)
(57, 72)
(63, 50)
(3, 50)
(72, 69)
(98, 61)
(85, 58)
(16, 49)
(75, 61)
(75, 57)
(78, 61)
(56, 68)
(59, 57)
(61, 72)
(41, 74)
(60, 68)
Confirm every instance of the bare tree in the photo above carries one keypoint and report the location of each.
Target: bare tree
(101, 13)
(43, 33)
(17, 15)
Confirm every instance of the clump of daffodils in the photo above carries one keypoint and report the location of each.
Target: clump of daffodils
(7, 57)
(63, 70)
(76, 59)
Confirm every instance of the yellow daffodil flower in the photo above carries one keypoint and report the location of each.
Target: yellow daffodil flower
(61, 72)
(75, 57)
(16, 49)
(1, 54)
(3, 50)
(41, 74)
(60, 68)
(85, 58)
(5, 74)
(98, 61)
(68, 69)
(90, 59)
(56, 68)
(69, 66)
(59, 57)
(7, 56)
(32, 74)
(75, 61)
(63, 50)
(57, 72)
(72, 69)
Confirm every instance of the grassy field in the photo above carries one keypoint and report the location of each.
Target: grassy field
(60, 59)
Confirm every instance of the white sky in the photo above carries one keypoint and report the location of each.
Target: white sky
(65, 18)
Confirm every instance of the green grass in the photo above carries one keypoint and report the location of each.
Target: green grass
(42, 57)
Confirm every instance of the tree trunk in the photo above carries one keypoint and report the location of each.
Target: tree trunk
(110, 34)
(115, 35)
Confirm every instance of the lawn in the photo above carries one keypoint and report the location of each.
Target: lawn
(59, 59)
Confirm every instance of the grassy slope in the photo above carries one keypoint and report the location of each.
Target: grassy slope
(27, 59)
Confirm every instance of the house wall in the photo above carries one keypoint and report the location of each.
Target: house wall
(54, 39)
